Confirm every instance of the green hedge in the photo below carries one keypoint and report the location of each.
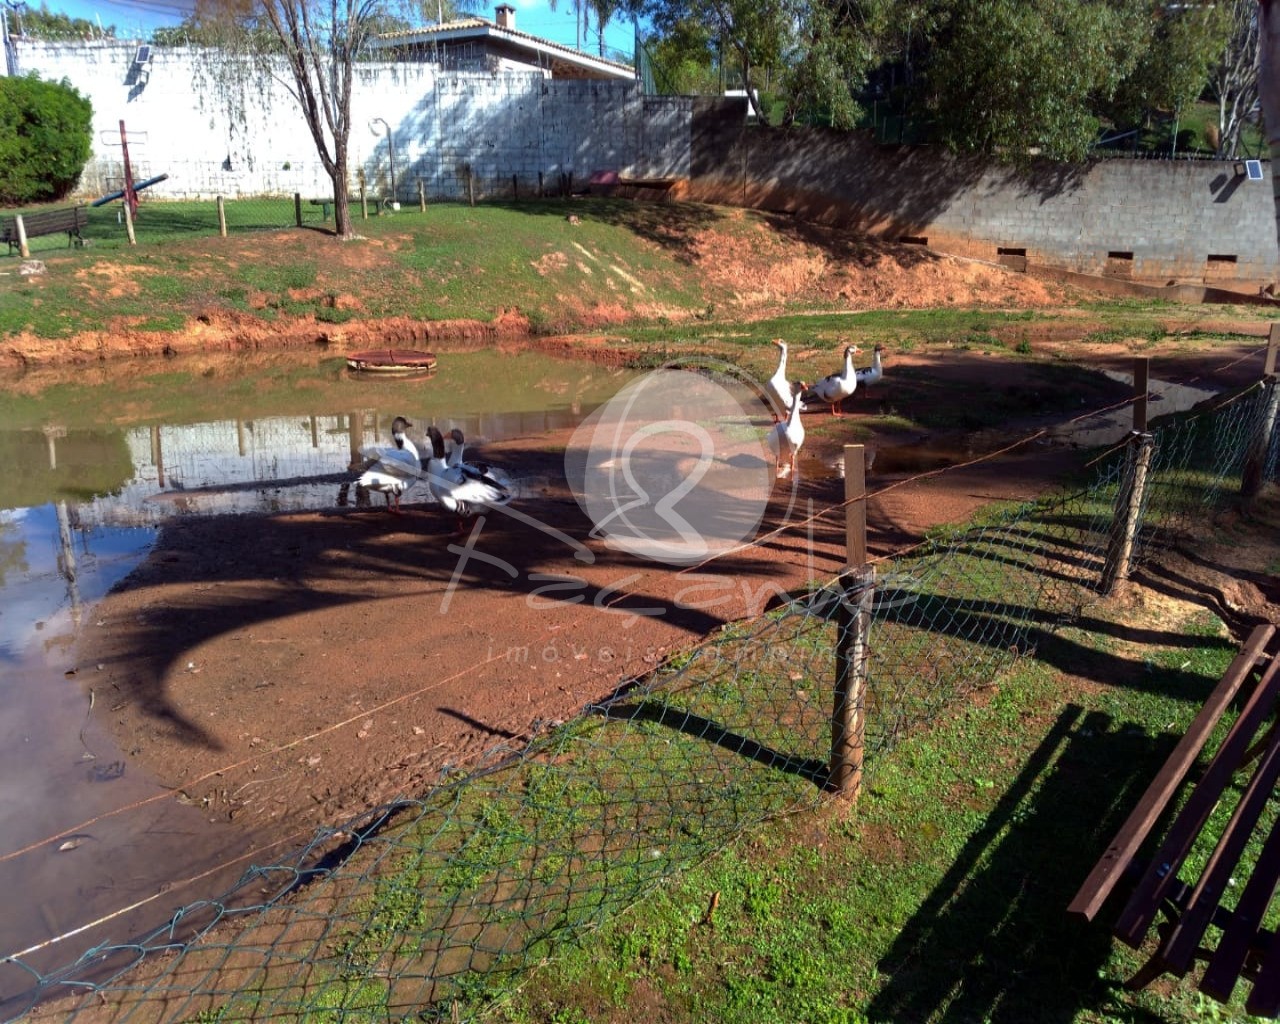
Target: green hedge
(45, 138)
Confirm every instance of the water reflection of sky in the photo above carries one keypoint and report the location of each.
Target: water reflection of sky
(52, 566)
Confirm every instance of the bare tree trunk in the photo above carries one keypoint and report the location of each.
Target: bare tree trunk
(1269, 86)
(341, 201)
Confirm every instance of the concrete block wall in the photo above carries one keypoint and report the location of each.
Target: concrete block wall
(218, 127)
(1189, 222)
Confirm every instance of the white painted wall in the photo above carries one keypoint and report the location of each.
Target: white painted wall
(222, 128)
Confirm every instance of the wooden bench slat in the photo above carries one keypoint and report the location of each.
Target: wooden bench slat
(1238, 937)
(1118, 855)
(1179, 947)
(1151, 890)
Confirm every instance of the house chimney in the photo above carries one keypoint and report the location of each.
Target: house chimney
(506, 16)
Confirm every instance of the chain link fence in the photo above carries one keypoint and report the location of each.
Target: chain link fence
(432, 906)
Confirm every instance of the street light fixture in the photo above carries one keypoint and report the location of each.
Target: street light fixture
(391, 156)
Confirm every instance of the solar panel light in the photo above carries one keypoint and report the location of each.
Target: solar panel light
(1251, 169)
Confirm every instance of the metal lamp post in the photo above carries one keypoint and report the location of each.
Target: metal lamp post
(391, 156)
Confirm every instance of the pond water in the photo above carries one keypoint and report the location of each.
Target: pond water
(95, 463)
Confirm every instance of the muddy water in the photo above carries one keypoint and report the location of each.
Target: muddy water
(96, 464)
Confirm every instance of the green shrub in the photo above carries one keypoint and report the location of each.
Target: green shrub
(45, 136)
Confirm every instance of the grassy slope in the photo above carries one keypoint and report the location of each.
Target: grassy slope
(942, 897)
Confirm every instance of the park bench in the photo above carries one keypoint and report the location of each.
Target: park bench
(1227, 892)
(47, 222)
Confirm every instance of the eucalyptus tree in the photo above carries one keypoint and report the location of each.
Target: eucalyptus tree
(1233, 80)
(1269, 83)
(1173, 64)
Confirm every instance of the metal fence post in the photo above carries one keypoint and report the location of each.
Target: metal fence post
(1255, 463)
(364, 204)
(222, 217)
(853, 623)
(20, 226)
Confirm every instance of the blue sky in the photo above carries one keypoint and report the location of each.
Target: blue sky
(138, 17)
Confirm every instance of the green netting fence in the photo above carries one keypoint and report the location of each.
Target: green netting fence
(432, 906)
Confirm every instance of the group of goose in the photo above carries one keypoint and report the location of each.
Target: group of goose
(795, 397)
(460, 486)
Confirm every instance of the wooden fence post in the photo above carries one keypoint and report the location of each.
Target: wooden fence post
(422, 196)
(222, 217)
(1128, 511)
(364, 204)
(515, 187)
(20, 225)
(1141, 385)
(471, 186)
(128, 221)
(539, 184)
(1255, 462)
(297, 208)
(853, 623)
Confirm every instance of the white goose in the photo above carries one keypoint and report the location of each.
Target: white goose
(392, 470)
(874, 372)
(462, 486)
(779, 386)
(836, 387)
(786, 436)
